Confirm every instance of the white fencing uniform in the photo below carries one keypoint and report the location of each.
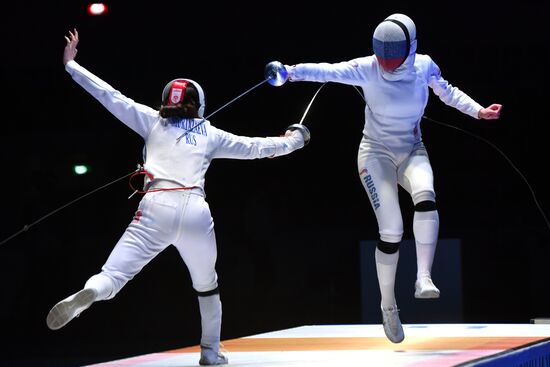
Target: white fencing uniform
(180, 217)
(391, 152)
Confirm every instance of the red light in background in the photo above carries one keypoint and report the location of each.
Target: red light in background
(97, 9)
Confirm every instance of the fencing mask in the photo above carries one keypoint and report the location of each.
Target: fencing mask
(174, 92)
(393, 40)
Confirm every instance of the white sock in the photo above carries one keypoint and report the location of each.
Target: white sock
(386, 267)
(211, 321)
(102, 284)
(426, 230)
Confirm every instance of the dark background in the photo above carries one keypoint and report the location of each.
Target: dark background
(288, 229)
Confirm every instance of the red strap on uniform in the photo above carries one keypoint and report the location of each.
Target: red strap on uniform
(151, 177)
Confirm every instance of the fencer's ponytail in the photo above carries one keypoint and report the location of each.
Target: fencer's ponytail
(183, 110)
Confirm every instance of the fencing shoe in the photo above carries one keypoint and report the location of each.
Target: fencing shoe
(392, 324)
(425, 288)
(211, 357)
(70, 307)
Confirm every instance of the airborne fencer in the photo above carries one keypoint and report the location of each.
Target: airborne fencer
(395, 82)
(180, 145)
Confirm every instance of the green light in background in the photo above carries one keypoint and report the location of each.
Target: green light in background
(80, 169)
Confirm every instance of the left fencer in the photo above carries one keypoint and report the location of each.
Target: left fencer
(180, 145)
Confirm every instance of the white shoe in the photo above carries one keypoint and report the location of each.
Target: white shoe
(210, 357)
(392, 324)
(69, 308)
(425, 288)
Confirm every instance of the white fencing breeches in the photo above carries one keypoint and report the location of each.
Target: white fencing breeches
(381, 171)
(181, 218)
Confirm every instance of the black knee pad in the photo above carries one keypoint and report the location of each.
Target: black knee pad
(425, 206)
(388, 247)
(208, 293)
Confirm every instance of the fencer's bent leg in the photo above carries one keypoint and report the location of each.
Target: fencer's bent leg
(416, 176)
(148, 234)
(154, 227)
(378, 173)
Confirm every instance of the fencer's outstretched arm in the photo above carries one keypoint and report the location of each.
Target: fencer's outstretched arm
(136, 116)
(233, 146)
(345, 72)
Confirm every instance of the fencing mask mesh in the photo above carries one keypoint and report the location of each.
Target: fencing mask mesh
(392, 41)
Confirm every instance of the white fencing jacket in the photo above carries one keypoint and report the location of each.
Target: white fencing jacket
(395, 102)
(186, 161)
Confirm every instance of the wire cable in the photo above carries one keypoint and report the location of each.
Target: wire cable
(504, 156)
(26, 227)
(311, 102)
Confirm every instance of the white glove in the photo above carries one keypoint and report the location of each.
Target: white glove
(292, 140)
(290, 71)
(295, 139)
